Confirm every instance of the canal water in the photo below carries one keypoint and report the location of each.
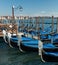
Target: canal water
(12, 56)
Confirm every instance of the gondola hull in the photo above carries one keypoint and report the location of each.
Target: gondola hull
(50, 53)
(50, 57)
(11, 42)
(14, 44)
(28, 48)
(50, 50)
(46, 40)
(31, 45)
(6, 39)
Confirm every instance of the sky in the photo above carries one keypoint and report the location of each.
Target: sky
(30, 7)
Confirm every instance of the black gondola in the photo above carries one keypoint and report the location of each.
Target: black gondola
(50, 50)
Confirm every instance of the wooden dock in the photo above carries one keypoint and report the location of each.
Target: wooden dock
(1, 27)
(8, 28)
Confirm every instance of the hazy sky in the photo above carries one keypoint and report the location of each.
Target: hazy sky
(30, 7)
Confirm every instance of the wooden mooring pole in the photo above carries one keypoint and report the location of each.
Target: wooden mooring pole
(37, 23)
(57, 25)
(52, 23)
(42, 23)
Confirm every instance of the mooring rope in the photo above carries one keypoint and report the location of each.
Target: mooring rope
(9, 36)
(19, 41)
(4, 35)
(40, 47)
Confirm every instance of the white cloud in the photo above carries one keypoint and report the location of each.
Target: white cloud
(40, 13)
(43, 12)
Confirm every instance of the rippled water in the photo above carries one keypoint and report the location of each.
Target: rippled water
(12, 56)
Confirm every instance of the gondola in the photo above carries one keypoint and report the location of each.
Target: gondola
(25, 43)
(50, 50)
(15, 41)
(44, 36)
(29, 45)
(7, 36)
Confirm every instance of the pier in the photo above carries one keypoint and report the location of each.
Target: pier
(8, 28)
(2, 26)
